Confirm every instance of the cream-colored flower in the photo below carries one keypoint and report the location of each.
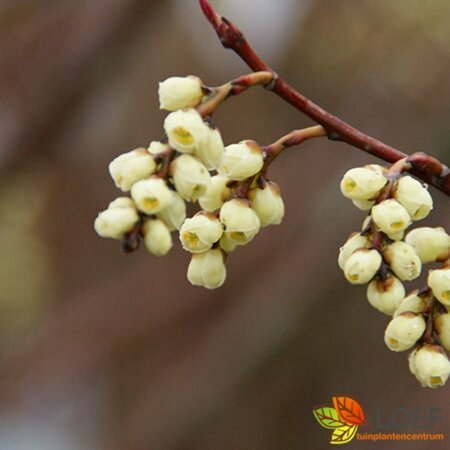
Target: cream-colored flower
(226, 244)
(442, 326)
(362, 183)
(431, 244)
(122, 202)
(364, 205)
(439, 282)
(398, 236)
(362, 266)
(151, 195)
(242, 160)
(404, 331)
(386, 295)
(174, 214)
(353, 243)
(190, 176)
(130, 167)
(157, 237)
(403, 260)
(376, 168)
(115, 221)
(366, 222)
(414, 197)
(430, 365)
(185, 130)
(210, 149)
(414, 303)
(207, 269)
(157, 147)
(200, 232)
(180, 92)
(268, 204)
(390, 217)
(216, 193)
(240, 221)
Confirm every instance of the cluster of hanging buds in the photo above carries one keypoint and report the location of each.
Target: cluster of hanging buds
(384, 256)
(231, 185)
(192, 165)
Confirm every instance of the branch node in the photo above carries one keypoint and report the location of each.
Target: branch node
(270, 86)
(334, 136)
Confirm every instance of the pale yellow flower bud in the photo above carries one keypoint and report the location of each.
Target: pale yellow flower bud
(413, 303)
(430, 365)
(362, 183)
(398, 236)
(362, 266)
(157, 147)
(122, 202)
(385, 295)
(157, 237)
(364, 205)
(226, 244)
(207, 269)
(353, 243)
(439, 282)
(376, 168)
(216, 193)
(442, 326)
(390, 216)
(268, 204)
(240, 221)
(151, 195)
(200, 232)
(404, 331)
(242, 160)
(403, 260)
(414, 197)
(116, 221)
(210, 149)
(174, 214)
(185, 130)
(190, 176)
(366, 222)
(180, 92)
(130, 167)
(431, 244)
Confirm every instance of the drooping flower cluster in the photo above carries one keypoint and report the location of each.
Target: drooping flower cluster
(192, 165)
(384, 257)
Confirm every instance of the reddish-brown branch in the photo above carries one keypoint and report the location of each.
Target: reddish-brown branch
(424, 166)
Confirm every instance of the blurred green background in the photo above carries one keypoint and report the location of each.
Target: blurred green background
(101, 350)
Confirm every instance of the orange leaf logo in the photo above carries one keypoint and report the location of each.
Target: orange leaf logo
(349, 410)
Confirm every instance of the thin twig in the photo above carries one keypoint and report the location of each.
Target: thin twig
(272, 151)
(234, 87)
(425, 167)
(295, 137)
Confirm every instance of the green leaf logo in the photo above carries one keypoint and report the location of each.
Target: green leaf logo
(327, 417)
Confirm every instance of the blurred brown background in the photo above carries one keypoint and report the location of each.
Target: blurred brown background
(101, 350)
